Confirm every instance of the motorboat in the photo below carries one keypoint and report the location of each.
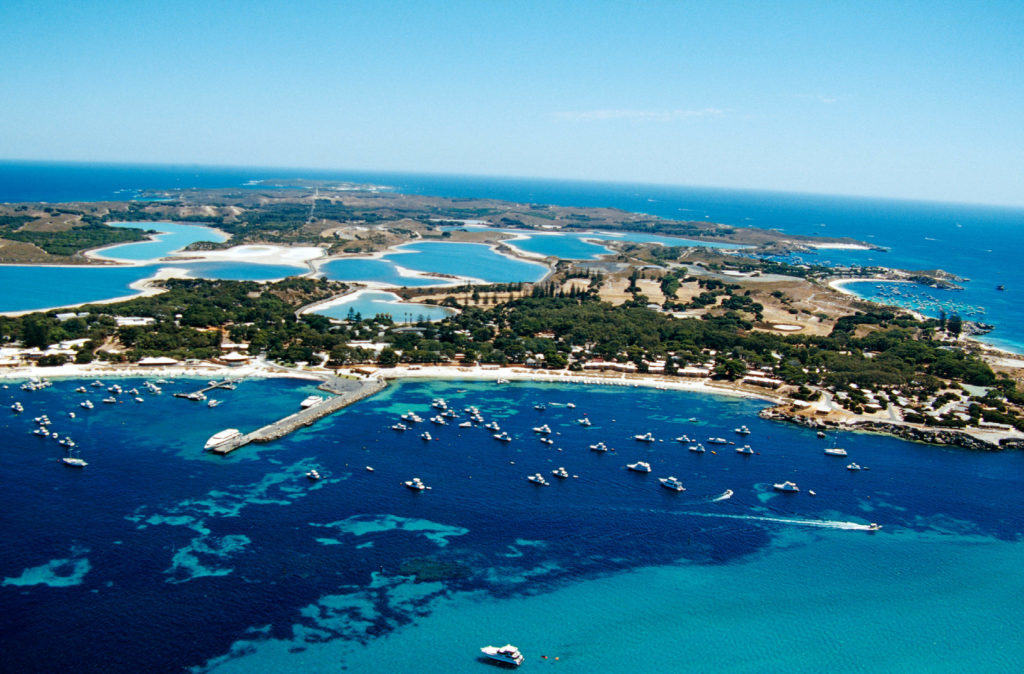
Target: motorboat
(583, 422)
(411, 417)
(41, 432)
(746, 450)
(310, 401)
(507, 654)
(697, 449)
(97, 384)
(449, 414)
(560, 473)
(439, 404)
(639, 467)
(547, 441)
(426, 436)
(545, 429)
(415, 484)
(645, 437)
(80, 389)
(671, 482)
(538, 479)
(439, 420)
(399, 427)
(571, 406)
(599, 447)
(139, 399)
(110, 400)
(853, 467)
(313, 475)
(218, 439)
(874, 526)
(786, 487)
(683, 439)
(502, 437)
(74, 462)
(742, 430)
(17, 407)
(502, 381)
(717, 441)
(466, 424)
(835, 451)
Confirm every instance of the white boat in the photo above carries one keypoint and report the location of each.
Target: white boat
(787, 487)
(41, 432)
(86, 404)
(218, 439)
(717, 441)
(583, 422)
(545, 429)
(310, 401)
(439, 420)
(571, 406)
(399, 427)
(96, 384)
(439, 404)
(646, 437)
(415, 484)
(492, 426)
(639, 467)
(746, 450)
(502, 381)
(538, 479)
(142, 400)
(874, 526)
(502, 437)
(560, 473)
(466, 424)
(212, 402)
(835, 451)
(411, 417)
(683, 439)
(449, 414)
(74, 462)
(599, 447)
(547, 441)
(853, 466)
(80, 389)
(110, 401)
(698, 448)
(742, 430)
(671, 482)
(426, 436)
(16, 407)
(508, 653)
(313, 475)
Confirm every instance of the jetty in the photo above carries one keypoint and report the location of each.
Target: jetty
(344, 393)
(198, 395)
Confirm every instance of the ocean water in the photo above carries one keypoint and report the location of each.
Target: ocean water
(240, 563)
(375, 303)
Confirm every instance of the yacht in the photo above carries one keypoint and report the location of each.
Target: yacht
(74, 462)
(672, 483)
(80, 389)
(717, 441)
(502, 437)
(583, 422)
(835, 451)
(466, 424)
(411, 417)
(507, 654)
(492, 426)
(142, 400)
(545, 429)
(218, 439)
(599, 447)
(853, 466)
(415, 484)
(821, 434)
(97, 384)
(540, 407)
(115, 389)
(426, 436)
(16, 407)
(449, 414)
(310, 401)
(787, 487)
(547, 441)
(746, 450)
(698, 448)
(742, 430)
(439, 420)
(538, 479)
(313, 475)
(639, 467)
(646, 437)
(683, 439)
(560, 473)
(41, 432)
(439, 404)
(110, 400)
(399, 427)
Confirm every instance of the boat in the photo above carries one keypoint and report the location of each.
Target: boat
(746, 450)
(502, 381)
(369, 469)
(399, 427)
(697, 449)
(313, 475)
(74, 462)
(142, 400)
(502, 437)
(449, 414)
(671, 482)
(540, 407)
(835, 451)
(492, 426)
(874, 526)
(639, 467)
(683, 439)
(16, 407)
(717, 441)
(97, 384)
(439, 404)
(538, 479)
(821, 434)
(1000, 287)
(426, 436)
(212, 402)
(41, 432)
(542, 429)
(571, 406)
(853, 467)
(583, 422)
(786, 487)
(466, 424)
(80, 389)
(218, 439)
(110, 400)
(507, 654)
(560, 473)
(310, 401)
(439, 420)
(115, 389)
(599, 447)
(411, 417)
(646, 437)
(742, 430)
(415, 484)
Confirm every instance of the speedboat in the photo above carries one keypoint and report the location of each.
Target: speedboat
(110, 400)
(439, 420)
(571, 406)
(646, 437)
(142, 400)
(74, 462)
(399, 427)
(538, 479)
(560, 473)
(466, 424)
(492, 426)
(415, 484)
(683, 439)
(426, 436)
(542, 429)
(742, 430)
(599, 447)
(835, 451)
(746, 450)
(639, 467)
(313, 475)
(502, 437)
(540, 407)
(786, 487)
(218, 439)
(698, 448)
(583, 422)
(853, 466)
(507, 654)
(874, 526)
(310, 401)
(672, 483)
(821, 434)
(717, 441)
(80, 389)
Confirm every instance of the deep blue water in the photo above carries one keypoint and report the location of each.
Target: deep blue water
(158, 557)
(978, 242)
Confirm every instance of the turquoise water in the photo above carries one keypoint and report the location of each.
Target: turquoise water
(241, 271)
(372, 269)
(24, 287)
(475, 260)
(608, 572)
(374, 303)
(173, 236)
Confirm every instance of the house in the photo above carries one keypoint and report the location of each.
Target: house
(234, 359)
(130, 321)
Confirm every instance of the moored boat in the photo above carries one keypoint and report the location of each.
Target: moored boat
(507, 654)
(221, 437)
(786, 487)
(639, 467)
(671, 482)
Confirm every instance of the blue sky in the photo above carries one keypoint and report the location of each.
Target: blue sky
(903, 99)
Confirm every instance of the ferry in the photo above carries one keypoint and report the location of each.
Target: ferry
(415, 484)
(310, 401)
(835, 451)
(218, 439)
(646, 437)
(560, 473)
(639, 467)
(672, 483)
(507, 654)
(746, 450)
(538, 479)
(786, 487)
(697, 449)
(74, 462)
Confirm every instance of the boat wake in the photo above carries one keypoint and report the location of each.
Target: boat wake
(827, 524)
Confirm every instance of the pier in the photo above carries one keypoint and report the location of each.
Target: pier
(345, 392)
(198, 395)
